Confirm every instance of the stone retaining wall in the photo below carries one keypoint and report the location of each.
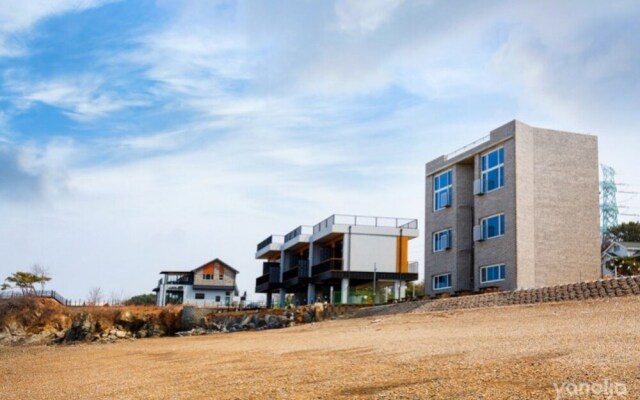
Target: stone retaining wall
(577, 291)
(203, 317)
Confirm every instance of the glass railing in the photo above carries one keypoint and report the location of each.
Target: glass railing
(413, 267)
(361, 220)
(471, 145)
(279, 239)
(332, 264)
(301, 230)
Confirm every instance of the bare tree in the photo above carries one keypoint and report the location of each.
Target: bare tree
(116, 298)
(95, 296)
(42, 273)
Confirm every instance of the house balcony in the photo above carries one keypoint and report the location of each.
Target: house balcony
(331, 271)
(297, 276)
(297, 238)
(270, 278)
(339, 224)
(270, 247)
(330, 264)
(176, 278)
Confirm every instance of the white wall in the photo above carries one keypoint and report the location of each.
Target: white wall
(369, 249)
(189, 296)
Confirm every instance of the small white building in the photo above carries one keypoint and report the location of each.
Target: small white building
(211, 284)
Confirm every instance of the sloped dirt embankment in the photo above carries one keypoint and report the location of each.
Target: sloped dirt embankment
(44, 321)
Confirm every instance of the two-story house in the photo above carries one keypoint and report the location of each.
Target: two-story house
(211, 284)
(516, 209)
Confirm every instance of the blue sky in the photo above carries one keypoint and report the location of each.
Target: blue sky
(137, 136)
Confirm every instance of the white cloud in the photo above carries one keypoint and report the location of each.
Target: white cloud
(18, 17)
(364, 16)
(82, 98)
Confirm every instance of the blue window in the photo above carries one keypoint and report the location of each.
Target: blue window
(442, 240)
(492, 273)
(493, 226)
(442, 281)
(442, 191)
(492, 165)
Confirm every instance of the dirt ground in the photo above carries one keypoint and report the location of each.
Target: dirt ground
(515, 352)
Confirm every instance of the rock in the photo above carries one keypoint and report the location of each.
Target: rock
(246, 320)
(121, 334)
(82, 328)
(318, 309)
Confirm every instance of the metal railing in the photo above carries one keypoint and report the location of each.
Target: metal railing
(361, 220)
(301, 230)
(271, 239)
(467, 147)
(51, 294)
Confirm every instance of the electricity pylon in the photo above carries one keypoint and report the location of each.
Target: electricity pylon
(609, 206)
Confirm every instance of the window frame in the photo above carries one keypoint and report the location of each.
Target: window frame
(448, 189)
(485, 170)
(501, 225)
(199, 296)
(435, 240)
(502, 271)
(449, 279)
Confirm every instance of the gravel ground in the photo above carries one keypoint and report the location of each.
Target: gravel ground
(517, 352)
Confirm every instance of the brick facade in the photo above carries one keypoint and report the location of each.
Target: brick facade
(549, 201)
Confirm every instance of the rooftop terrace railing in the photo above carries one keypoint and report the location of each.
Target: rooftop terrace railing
(301, 230)
(269, 240)
(359, 220)
(467, 147)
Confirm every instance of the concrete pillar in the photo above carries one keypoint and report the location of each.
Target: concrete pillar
(283, 296)
(344, 291)
(311, 293)
(269, 300)
(346, 252)
(403, 289)
(331, 294)
(396, 290)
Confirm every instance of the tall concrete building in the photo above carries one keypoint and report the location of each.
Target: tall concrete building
(336, 256)
(516, 209)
